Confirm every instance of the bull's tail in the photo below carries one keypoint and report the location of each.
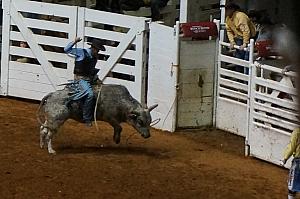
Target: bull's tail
(38, 112)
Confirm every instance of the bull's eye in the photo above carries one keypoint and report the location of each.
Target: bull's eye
(140, 122)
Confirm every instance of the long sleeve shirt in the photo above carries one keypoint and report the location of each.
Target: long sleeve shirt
(293, 147)
(239, 25)
(77, 52)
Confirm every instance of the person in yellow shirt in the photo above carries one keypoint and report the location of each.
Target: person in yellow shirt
(293, 149)
(239, 30)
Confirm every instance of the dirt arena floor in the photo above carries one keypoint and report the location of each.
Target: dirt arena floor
(187, 164)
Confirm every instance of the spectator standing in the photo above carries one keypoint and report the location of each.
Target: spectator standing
(239, 30)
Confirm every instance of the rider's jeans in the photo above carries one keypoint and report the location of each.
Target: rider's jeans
(88, 101)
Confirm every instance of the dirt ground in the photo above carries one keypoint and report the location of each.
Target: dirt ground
(186, 164)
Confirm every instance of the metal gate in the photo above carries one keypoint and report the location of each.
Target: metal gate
(48, 28)
(273, 112)
(260, 105)
(233, 92)
(38, 75)
(163, 73)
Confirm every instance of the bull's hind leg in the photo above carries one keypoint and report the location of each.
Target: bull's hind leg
(43, 134)
(117, 132)
(57, 114)
(49, 141)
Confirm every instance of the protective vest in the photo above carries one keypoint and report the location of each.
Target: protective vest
(86, 67)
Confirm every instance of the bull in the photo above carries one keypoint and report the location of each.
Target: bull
(114, 105)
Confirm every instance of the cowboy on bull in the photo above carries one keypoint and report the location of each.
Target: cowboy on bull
(84, 74)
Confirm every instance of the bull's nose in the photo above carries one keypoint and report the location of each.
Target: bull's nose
(146, 136)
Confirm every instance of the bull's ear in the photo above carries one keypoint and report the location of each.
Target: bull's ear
(152, 107)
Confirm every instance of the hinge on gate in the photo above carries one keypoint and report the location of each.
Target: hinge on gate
(247, 148)
(173, 66)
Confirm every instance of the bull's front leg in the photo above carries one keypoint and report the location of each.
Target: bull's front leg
(117, 133)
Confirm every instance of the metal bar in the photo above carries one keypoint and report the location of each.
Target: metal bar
(216, 75)
(233, 60)
(231, 93)
(274, 69)
(234, 74)
(234, 46)
(274, 121)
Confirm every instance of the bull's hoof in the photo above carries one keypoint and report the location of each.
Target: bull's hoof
(117, 139)
(51, 152)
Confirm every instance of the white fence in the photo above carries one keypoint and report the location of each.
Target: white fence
(259, 104)
(48, 28)
(125, 56)
(162, 74)
(233, 91)
(273, 112)
(37, 76)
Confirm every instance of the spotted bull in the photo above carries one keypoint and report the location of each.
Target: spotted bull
(115, 105)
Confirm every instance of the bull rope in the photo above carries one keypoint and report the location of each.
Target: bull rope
(95, 110)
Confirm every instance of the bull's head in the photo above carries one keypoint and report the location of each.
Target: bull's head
(140, 119)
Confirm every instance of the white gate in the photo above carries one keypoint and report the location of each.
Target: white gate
(126, 51)
(48, 28)
(23, 22)
(273, 112)
(162, 74)
(260, 106)
(233, 92)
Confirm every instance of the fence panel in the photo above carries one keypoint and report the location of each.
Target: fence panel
(163, 74)
(273, 112)
(48, 28)
(124, 61)
(233, 91)
(37, 69)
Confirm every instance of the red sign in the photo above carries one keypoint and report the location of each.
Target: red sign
(199, 30)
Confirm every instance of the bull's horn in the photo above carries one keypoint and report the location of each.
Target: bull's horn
(152, 107)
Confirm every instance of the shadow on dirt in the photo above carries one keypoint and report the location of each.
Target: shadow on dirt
(116, 150)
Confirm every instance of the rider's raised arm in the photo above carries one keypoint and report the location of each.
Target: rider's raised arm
(77, 52)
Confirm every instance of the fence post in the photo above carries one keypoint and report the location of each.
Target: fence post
(251, 89)
(5, 48)
(141, 63)
(175, 70)
(216, 72)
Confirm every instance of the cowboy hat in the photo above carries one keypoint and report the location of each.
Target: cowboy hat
(98, 44)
